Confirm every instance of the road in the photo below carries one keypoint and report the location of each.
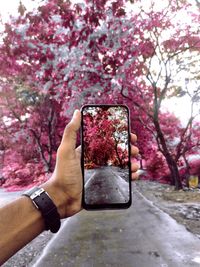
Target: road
(105, 185)
(141, 236)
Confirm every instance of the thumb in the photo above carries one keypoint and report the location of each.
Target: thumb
(70, 132)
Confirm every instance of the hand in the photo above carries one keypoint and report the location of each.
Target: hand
(65, 185)
(134, 152)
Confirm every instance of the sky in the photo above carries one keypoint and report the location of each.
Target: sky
(11, 6)
(179, 106)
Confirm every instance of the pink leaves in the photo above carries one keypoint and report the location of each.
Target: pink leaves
(157, 167)
(102, 134)
(19, 176)
(62, 56)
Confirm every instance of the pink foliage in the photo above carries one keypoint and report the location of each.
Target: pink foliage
(157, 167)
(19, 176)
(62, 56)
(100, 141)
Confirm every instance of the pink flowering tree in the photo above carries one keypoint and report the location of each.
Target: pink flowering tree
(61, 56)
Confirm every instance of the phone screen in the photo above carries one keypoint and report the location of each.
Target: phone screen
(106, 156)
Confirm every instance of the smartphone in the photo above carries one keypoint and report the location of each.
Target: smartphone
(105, 160)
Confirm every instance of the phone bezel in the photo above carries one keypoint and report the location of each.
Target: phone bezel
(113, 205)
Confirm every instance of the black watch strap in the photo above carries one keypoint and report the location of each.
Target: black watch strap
(43, 202)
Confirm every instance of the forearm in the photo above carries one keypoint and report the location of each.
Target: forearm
(20, 222)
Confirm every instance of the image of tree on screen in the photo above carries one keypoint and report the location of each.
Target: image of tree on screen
(105, 136)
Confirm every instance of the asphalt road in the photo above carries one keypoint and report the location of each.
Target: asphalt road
(105, 186)
(141, 236)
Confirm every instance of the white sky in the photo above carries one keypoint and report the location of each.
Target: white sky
(10, 7)
(179, 106)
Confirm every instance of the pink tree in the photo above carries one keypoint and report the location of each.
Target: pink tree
(68, 55)
(104, 133)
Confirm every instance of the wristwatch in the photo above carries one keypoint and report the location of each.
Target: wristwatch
(45, 205)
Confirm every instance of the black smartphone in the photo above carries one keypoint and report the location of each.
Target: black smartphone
(106, 166)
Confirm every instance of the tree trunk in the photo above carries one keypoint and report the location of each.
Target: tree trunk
(41, 152)
(118, 157)
(175, 177)
(141, 164)
(2, 157)
(187, 175)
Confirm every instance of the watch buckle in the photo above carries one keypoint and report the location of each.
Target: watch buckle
(37, 193)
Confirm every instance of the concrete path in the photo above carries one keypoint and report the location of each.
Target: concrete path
(142, 236)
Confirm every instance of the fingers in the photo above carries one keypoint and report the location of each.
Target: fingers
(134, 152)
(134, 167)
(134, 149)
(133, 138)
(134, 176)
(70, 132)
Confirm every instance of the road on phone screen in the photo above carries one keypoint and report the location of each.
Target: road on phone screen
(141, 236)
(104, 185)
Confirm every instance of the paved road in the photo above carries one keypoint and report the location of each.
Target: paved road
(142, 236)
(106, 186)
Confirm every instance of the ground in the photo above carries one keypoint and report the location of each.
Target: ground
(183, 206)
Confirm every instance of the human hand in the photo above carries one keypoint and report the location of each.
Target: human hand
(65, 185)
(134, 152)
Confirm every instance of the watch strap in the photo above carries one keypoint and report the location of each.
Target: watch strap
(44, 203)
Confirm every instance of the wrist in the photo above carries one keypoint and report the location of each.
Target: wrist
(43, 202)
(56, 195)
(67, 205)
